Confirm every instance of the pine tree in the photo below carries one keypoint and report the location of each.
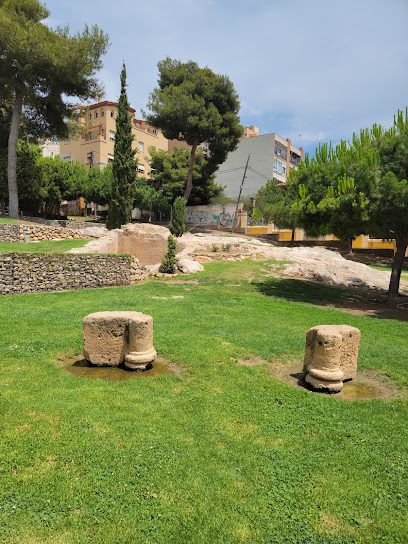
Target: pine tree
(39, 69)
(177, 225)
(168, 264)
(196, 105)
(124, 164)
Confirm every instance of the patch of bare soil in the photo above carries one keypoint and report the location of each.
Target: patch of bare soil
(366, 385)
(253, 361)
(364, 302)
(191, 282)
(78, 366)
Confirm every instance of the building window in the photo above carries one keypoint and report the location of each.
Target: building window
(102, 113)
(112, 113)
(110, 159)
(66, 142)
(89, 136)
(90, 116)
(111, 136)
(96, 115)
(67, 157)
(154, 131)
(138, 125)
(141, 147)
(148, 130)
(279, 167)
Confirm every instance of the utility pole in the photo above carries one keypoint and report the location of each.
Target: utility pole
(239, 196)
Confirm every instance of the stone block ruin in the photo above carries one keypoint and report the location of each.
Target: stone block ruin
(116, 338)
(331, 356)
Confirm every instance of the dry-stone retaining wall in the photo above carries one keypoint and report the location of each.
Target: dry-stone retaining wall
(19, 232)
(68, 223)
(34, 272)
(9, 233)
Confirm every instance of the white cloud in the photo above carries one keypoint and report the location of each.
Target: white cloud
(315, 68)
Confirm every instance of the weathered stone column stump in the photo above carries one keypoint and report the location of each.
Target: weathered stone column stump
(141, 350)
(113, 338)
(331, 356)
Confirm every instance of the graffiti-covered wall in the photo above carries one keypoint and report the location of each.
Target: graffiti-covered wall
(212, 214)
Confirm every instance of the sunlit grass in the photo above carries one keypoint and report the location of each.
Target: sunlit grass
(46, 246)
(221, 453)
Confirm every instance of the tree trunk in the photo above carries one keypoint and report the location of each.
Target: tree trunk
(392, 298)
(293, 235)
(190, 171)
(12, 156)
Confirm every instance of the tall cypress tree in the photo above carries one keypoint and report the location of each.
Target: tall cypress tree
(124, 164)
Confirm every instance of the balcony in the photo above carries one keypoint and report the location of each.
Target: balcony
(294, 159)
(280, 152)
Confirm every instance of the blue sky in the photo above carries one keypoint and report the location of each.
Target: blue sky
(315, 68)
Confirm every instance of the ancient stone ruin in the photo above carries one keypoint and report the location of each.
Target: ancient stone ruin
(116, 338)
(331, 356)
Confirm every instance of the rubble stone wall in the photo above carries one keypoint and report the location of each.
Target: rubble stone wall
(9, 233)
(17, 232)
(35, 272)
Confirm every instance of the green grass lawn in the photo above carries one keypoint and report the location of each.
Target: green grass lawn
(47, 246)
(221, 453)
(8, 220)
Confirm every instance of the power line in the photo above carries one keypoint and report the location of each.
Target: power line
(258, 173)
(230, 170)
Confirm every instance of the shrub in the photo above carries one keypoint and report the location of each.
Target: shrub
(214, 248)
(177, 225)
(168, 264)
(226, 247)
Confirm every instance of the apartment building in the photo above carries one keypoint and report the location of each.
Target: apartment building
(271, 157)
(251, 131)
(49, 148)
(94, 147)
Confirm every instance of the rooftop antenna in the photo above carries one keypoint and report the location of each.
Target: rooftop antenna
(300, 140)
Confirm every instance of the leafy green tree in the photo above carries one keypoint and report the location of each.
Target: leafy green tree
(98, 186)
(275, 203)
(359, 187)
(29, 175)
(389, 207)
(177, 225)
(169, 175)
(39, 69)
(61, 180)
(124, 164)
(147, 197)
(169, 262)
(333, 190)
(195, 105)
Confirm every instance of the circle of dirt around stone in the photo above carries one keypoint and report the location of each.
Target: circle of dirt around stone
(366, 385)
(78, 366)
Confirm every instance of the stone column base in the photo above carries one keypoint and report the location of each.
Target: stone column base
(140, 360)
(318, 383)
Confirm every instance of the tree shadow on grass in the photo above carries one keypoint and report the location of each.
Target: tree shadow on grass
(357, 301)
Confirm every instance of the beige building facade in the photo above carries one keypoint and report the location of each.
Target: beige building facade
(95, 146)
